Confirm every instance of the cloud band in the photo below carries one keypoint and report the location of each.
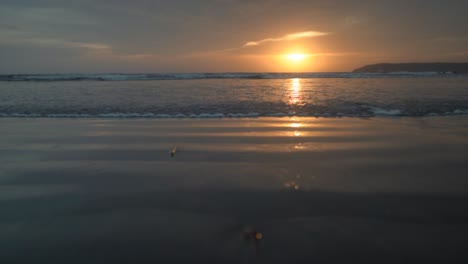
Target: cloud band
(293, 36)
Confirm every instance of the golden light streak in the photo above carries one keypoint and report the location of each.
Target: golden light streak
(295, 91)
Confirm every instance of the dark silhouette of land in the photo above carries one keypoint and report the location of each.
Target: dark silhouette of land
(415, 67)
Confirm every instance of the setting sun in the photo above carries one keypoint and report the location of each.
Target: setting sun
(296, 56)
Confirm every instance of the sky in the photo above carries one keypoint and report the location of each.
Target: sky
(104, 36)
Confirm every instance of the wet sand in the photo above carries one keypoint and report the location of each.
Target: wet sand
(326, 190)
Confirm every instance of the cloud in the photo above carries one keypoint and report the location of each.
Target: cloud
(352, 20)
(14, 35)
(93, 46)
(293, 36)
(66, 43)
(94, 49)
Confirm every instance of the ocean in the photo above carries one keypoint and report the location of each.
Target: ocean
(234, 168)
(221, 95)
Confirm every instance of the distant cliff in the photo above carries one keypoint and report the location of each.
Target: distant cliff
(415, 67)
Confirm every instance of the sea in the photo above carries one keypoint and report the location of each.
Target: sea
(233, 95)
(234, 168)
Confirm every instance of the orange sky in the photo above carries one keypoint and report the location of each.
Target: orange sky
(227, 35)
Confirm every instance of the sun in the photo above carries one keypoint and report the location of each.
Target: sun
(296, 57)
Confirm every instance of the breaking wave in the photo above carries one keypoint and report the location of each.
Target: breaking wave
(198, 76)
(372, 112)
(298, 94)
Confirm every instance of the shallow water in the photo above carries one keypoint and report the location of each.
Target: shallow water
(327, 190)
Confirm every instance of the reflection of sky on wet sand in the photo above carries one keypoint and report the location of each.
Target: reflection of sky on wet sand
(320, 146)
(294, 183)
(219, 192)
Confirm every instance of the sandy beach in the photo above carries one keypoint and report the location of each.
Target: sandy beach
(319, 190)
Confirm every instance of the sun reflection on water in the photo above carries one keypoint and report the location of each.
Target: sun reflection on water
(299, 146)
(292, 185)
(295, 95)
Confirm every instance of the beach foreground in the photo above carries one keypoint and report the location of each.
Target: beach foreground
(326, 190)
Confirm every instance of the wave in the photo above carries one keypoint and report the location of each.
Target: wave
(196, 76)
(375, 112)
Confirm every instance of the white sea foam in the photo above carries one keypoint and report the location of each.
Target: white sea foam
(193, 76)
(460, 112)
(279, 114)
(393, 96)
(384, 112)
(376, 112)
